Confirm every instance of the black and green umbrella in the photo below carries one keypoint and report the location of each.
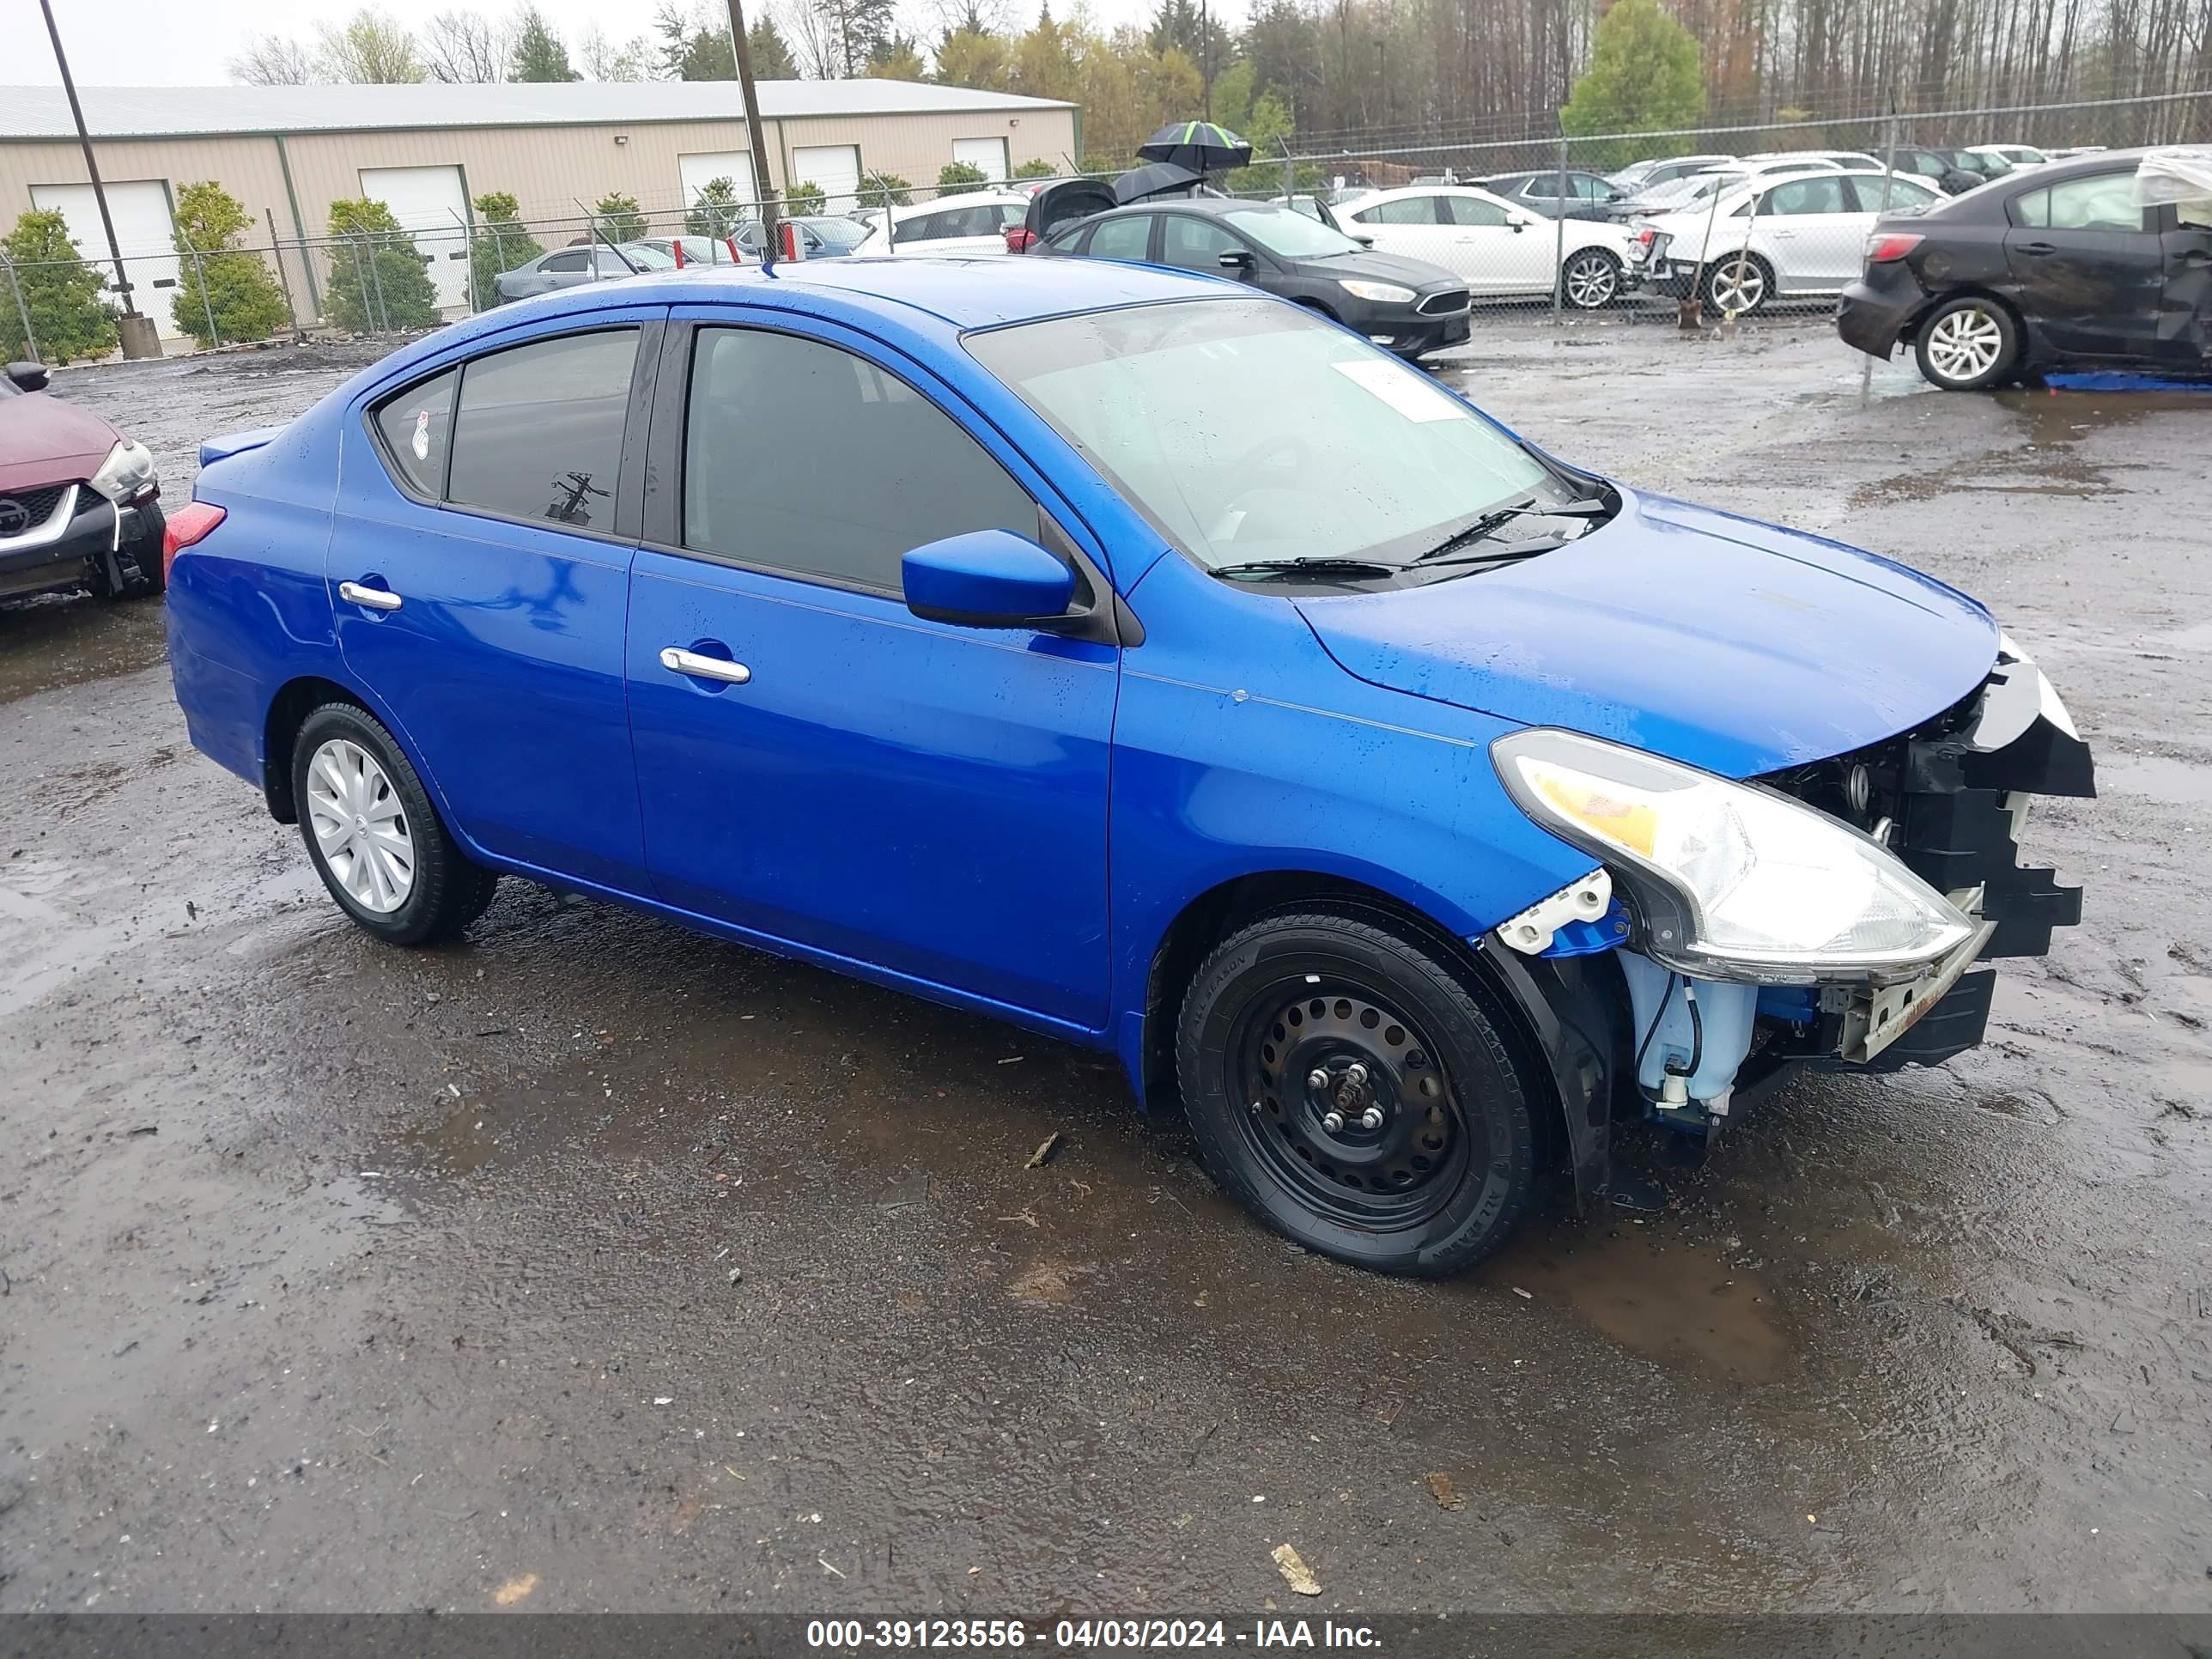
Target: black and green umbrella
(1200, 145)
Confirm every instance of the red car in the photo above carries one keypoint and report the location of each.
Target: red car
(80, 503)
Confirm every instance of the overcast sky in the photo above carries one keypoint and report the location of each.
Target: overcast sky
(139, 43)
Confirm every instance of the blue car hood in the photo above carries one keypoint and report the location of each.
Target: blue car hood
(1736, 646)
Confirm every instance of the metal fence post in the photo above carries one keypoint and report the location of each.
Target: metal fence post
(1559, 237)
(30, 340)
(376, 280)
(360, 285)
(1888, 172)
(284, 277)
(199, 275)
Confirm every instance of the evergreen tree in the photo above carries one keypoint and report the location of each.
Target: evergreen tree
(539, 53)
(502, 244)
(619, 217)
(215, 276)
(715, 211)
(772, 58)
(957, 177)
(378, 278)
(1644, 76)
(803, 201)
(885, 189)
(59, 289)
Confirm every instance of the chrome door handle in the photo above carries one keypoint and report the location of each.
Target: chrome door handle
(678, 660)
(376, 599)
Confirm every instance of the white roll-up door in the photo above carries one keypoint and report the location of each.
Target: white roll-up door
(835, 167)
(143, 230)
(988, 153)
(697, 172)
(432, 203)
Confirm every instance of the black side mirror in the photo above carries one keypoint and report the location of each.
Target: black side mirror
(31, 377)
(1239, 259)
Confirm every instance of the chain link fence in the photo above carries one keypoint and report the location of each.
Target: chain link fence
(1767, 218)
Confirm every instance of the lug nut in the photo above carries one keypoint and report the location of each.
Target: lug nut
(1332, 1121)
(1371, 1118)
(1355, 1073)
(1317, 1078)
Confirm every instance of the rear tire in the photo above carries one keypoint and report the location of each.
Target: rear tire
(1726, 289)
(1968, 343)
(1297, 1019)
(373, 836)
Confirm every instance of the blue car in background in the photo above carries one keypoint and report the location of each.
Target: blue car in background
(1147, 662)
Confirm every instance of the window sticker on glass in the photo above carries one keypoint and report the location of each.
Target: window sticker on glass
(1403, 389)
(422, 444)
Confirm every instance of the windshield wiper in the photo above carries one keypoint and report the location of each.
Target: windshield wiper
(1315, 563)
(1499, 517)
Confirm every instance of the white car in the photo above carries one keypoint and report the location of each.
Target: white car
(1643, 175)
(973, 223)
(1780, 238)
(1500, 249)
(1838, 158)
(2020, 156)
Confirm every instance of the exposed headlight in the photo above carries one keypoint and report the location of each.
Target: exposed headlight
(1382, 294)
(1734, 882)
(124, 475)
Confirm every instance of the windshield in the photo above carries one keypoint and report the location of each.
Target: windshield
(1249, 429)
(644, 257)
(1291, 235)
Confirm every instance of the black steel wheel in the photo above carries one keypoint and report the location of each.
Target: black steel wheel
(1346, 1086)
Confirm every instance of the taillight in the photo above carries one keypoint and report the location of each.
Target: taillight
(1644, 236)
(187, 526)
(1020, 239)
(1893, 246)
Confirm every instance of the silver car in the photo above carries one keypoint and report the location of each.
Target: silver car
(572, 267)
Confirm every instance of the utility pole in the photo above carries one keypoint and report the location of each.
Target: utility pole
(1206, 58)
(742, 48)
(139, 339)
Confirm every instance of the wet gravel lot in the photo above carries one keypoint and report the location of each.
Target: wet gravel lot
(344, 1278)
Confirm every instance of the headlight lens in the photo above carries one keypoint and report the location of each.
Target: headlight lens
(1735, 882)
(1382, 294)
(127, 471)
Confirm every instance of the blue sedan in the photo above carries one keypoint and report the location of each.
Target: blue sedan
(1146, 662)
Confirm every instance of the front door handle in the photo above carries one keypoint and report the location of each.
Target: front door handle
(2039, 247)
(2196, 255)
(376, 599)
(678, 660)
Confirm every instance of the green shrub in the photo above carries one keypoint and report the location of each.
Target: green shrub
(715, 211)
(803, 201)
(619, 217)
(955, 178)
(235, 286)
(60, 291)
(878, 189)
(1036, 167)
(378, 279)
(500, 244)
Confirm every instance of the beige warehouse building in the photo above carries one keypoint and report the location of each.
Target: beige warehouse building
(428, 150)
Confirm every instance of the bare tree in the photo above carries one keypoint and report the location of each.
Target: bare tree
(274, 60)
(816, 41)
(367, 49)
(602, 60)
(466, 47)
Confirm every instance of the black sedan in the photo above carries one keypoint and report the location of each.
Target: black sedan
(1408, 307)
(2054, 267)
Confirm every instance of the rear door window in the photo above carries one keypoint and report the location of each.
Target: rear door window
(1406, 210)
(416, 425)
(1196, 244)
(539, 431)
(1121, 239)
(2103, 200)
(1824, 194)
(1468, 210)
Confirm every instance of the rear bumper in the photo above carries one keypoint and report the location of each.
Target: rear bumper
(1877, 311)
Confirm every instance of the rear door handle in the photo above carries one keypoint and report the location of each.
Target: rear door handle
(2039, 247)
(678, 660)
(375, 598)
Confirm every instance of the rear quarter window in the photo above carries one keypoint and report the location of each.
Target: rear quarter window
(415, 426)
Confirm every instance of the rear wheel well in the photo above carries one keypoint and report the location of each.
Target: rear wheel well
(1215, 914)
(1910, 334)
(288, 713)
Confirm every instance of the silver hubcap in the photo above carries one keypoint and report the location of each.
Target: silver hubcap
(1590, 281)
(1738, 287)
(1966, 344)
(359, 826)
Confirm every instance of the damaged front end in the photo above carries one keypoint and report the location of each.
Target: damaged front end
(1835, 915)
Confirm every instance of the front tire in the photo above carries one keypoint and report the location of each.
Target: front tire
(1968, 343)
(373, 836)
(1345, 1085)
(1591, 279)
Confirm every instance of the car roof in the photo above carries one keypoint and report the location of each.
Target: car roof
(964, 198)
(1431, 190)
